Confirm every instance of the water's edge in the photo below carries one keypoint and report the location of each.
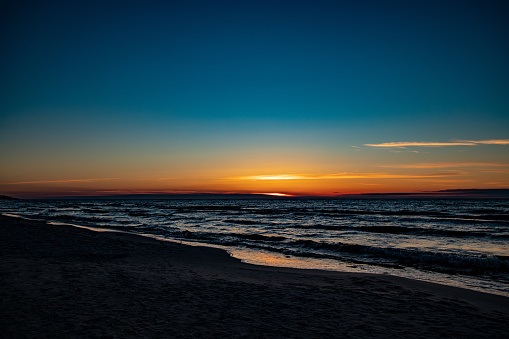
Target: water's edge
(267, 258)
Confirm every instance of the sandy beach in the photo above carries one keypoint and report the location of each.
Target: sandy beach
(61, 281)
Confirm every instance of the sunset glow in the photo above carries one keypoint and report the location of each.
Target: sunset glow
(310, 99)
(277, 194)
(276, 177)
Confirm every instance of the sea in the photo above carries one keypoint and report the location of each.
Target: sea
(457, 242)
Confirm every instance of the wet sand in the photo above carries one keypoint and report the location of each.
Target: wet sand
(61, 281)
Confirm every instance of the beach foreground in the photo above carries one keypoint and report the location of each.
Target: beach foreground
(63, 281)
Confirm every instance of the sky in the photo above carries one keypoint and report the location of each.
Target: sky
(287, 97)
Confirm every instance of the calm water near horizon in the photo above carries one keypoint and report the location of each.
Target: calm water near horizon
(461, 243)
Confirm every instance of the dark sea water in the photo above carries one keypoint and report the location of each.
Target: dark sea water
(455, 242)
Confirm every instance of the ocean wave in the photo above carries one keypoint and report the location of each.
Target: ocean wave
(323, 227)
(243, 221)
(482, 215)
(436, 261)
(95, 211)
(204, 208)
(375, 212)
(433, 261)
(224, 238)
(488, 217)
(138, 213)
(73, 218)
(257, 237)
(420, 231)
(397, 230)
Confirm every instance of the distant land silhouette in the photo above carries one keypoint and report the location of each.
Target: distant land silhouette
(4, 197)
(190, 196)
(443, 194)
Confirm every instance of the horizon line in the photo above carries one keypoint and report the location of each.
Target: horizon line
(495, 193)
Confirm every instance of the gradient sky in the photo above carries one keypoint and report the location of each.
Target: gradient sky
(293, 97)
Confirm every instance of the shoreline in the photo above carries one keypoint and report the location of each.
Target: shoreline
(269, 259)
(71, 281)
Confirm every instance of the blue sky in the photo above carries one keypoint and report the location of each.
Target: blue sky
(103, 80)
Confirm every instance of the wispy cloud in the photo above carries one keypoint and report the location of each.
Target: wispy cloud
(420, 144)
(441, 144)
(56, 181)
(346, 176)
(498, 183)
(448, 165)
(491, 142)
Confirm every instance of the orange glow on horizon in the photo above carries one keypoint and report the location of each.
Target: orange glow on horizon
(273, 177)
(346, 176)
(277, 194)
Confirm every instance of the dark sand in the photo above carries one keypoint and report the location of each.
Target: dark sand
(63, 281)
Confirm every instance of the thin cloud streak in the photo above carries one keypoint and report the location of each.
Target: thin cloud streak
(490, 142)
(420, 144)
(56, 181)
(447, 165)
(441, 144)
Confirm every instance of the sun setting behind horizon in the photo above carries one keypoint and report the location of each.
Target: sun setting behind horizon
(309, 99)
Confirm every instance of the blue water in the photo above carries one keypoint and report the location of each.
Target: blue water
(456, 242)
